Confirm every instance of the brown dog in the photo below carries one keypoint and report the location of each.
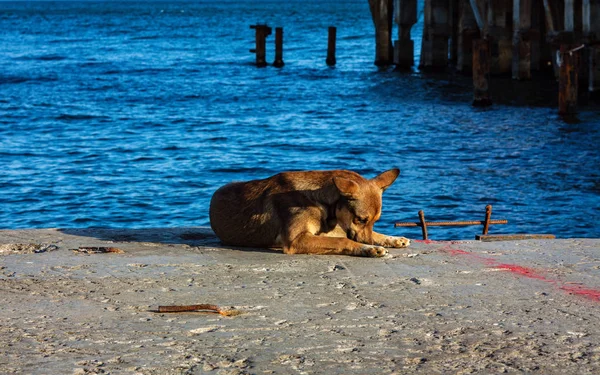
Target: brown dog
(318, 212)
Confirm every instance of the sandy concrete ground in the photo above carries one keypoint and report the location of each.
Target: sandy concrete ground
(452, 308)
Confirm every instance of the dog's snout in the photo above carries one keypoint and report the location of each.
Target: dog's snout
(359, 236)
(351, 234)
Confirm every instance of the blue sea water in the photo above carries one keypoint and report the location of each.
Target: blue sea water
(131, 114)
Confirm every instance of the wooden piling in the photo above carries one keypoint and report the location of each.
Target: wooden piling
(552, 23)
(481, 73)
(262, 31)
(521, 56)
(535, 35)
(569, 14)
(467, 31)
(594, 71)
(331, 37)
(382, 12)
(454, 8)
(436, 31)
(548, 16)
(405, 17)
(591, 33)
(568, 80)
(278, 63)
(500, 36)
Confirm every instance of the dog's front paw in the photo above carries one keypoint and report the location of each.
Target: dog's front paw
(373, 251)
(397, 242)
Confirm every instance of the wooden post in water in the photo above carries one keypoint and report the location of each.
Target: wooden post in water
(453, 31)
(331, 36)
(481, 73)
(467, 32)
(405, 16)
(521, 59)
(500, 37)
(382, 12)
(534, 35)
(591, 32)
(567, 80)
(569, 13)
(262, 31)
(278, 63)
(553, 24)
(436, 31)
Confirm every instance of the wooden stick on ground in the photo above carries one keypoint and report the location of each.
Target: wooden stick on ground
(195, 308)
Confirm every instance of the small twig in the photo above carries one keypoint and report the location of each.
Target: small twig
(98, 250)
(195, 308)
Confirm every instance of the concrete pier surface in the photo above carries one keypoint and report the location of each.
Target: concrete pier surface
(436, 307)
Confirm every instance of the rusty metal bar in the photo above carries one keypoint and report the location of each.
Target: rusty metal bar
(424, 224)
(449, 223)
(514, 237)
(488, 217)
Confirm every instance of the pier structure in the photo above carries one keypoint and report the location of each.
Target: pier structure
(522, 36)
(382, 13)
(262, 31)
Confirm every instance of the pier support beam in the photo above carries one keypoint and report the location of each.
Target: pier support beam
(331, 37)
(568, 81)
(278, 63)
(405, 15)
(594, 68)
(262, 31)
(453, 24)
(537, 18)
(553, 24)
(436, 31)
(500, 37)
(521, 59)
(382, 13)
(591, 34)
(481, 73)
(467, 32)
(569, 13)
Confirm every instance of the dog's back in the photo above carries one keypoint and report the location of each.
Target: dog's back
(253, 213)
(241, 214)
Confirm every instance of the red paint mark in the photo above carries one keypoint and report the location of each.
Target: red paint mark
(523, 271)
(455, 251)
(589, 293)
(593, 294)
(458, 252)
(428, 242)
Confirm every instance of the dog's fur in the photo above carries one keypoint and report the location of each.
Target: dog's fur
(316, 212)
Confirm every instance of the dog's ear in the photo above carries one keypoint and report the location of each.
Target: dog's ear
(347, 188)
(387, 178)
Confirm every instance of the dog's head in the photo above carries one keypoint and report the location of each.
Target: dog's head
(360, 205)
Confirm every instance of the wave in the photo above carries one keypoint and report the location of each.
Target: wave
(50, 57)
(253, 170)
(11, 79)
(147, 37)
(79, 117)
(137, 71)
